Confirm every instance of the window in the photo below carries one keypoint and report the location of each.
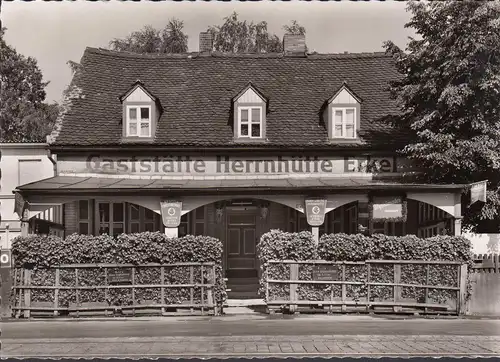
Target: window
(250, 122)
(111, 218)
(138, 121)
(344, 122)
(143, 219)
(194, 222)
(84, 217)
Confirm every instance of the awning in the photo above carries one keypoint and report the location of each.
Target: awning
(104, 185)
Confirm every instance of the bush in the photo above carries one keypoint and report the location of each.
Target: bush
(40, 253)
(279, 245)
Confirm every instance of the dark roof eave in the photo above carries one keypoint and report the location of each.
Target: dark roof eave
(332, 189)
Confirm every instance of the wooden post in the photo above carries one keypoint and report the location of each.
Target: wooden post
(397, 289)
(133, 291)
(27, 293)
(463, 289)
(315, 233)
(191, 288)
(20, 294)
(367, 287)
(210, 299)
(77, 293)
(162, 291)
(294, 275)
(427, 271)
(344, 291)
(202, 291)
(56, 294)
(106, 291)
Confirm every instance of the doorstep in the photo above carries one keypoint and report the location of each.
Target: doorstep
(244, 302)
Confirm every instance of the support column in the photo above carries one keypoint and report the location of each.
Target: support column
(458, 226)
(172, 232)
(25, 225)
(363, 217)
(315, 232)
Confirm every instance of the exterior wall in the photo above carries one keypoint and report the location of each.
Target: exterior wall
(21, 163)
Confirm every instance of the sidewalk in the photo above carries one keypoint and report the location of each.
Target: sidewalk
(255, 346)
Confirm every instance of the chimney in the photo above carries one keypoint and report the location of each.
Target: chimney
(294, 44)
(206, 42)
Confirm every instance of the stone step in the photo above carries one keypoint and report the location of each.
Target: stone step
(242, 281)
(242, 295)
(243, 287)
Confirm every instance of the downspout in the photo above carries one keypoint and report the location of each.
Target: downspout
(54, 163)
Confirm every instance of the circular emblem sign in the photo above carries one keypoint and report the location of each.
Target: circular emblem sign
(171, 211)
(315, 210)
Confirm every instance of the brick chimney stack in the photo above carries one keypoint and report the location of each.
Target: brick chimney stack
(206, 42)
(294, 44)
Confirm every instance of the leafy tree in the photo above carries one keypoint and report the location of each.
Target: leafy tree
(150, 40)
(450, 95)
(24, 117)
(236, 36)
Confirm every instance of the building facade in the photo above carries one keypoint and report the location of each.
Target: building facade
(238, 145)
(23, 163)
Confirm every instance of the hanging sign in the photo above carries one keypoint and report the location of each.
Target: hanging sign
(315, 211)
(478, 192)
(388, 208)
(171, 213)
(20, 205)
(5, 258)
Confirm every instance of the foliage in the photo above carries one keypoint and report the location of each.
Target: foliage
(449, 94)
(171, 39)
(24, 117)
(42, 253)
(237, 36)
(278, 245)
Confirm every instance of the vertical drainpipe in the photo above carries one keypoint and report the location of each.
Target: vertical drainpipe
(54, 163)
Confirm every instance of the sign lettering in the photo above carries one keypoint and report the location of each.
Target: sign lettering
(119, 276)
(171, 213)
(387, 208)
(315, 211)
(326, 272)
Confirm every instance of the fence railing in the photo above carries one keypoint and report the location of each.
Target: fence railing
(335, 285)
(79, 288)
(486, 263)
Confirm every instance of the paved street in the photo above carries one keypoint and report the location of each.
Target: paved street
(251, 336)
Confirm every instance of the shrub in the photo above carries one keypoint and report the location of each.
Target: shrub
(40, 253)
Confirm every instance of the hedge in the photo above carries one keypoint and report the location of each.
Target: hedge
(280, 245)
(40, 253)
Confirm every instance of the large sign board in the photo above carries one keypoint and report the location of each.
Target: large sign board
(315, 211)
(388, 208)
(5, 258)
(221, 165)
(478, 192)
(171, 213)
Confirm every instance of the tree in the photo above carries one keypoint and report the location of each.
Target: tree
(449, 91)
(24, 117)
(236, 36)
(150, 40)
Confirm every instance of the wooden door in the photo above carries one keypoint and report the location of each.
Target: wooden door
(241, 245)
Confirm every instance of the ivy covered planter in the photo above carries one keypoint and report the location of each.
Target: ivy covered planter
(358, 261)
(146, 253)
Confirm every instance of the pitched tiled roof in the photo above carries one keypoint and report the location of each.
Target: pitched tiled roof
(195, 92)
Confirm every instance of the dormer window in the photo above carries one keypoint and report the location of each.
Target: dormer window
(344, 122)
(250, 122)
(141, 111)
(249, 115)
(342, 115)
(138, 121)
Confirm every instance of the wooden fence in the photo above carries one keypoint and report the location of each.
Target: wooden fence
(486, 263)
(182, 286)
(316, 274)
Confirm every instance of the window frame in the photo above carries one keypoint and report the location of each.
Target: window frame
(250, 121)
(138, 121)
(344, 110)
